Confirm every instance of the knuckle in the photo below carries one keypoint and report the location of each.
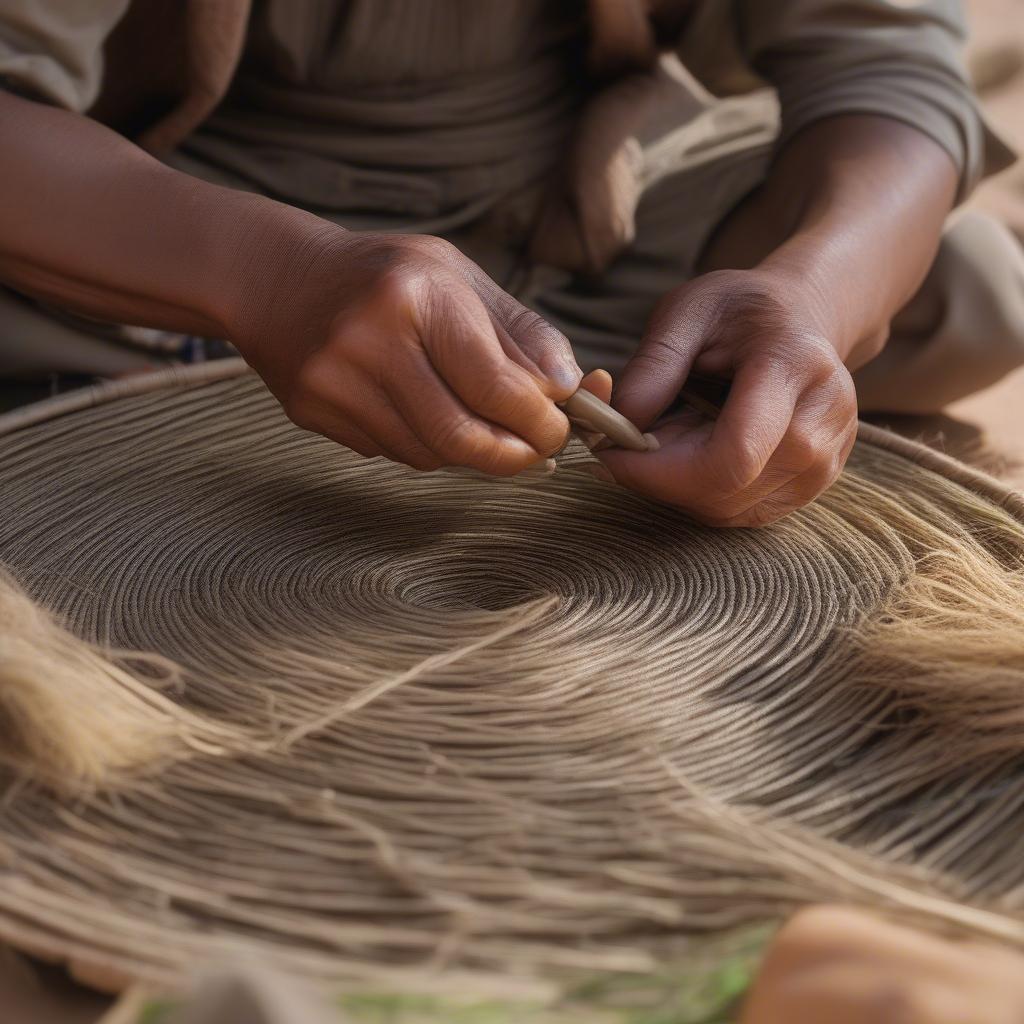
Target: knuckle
(823, 361)
(763, 514)
(832, 469)
(531, 330)
(503, 398)
(455, 440)
(658, 356)
(741, 470)
(840, 381)
(400, 285)
(417, 457)
(835, 465)
(874, 344)
(312, 384)
(435, 248)
(438, 246)
(804, 449)
(522, 321)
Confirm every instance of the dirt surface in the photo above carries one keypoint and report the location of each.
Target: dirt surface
(997, 64)
(996, 59)
(987, 428)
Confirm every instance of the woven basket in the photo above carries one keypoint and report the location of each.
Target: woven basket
(474, 732)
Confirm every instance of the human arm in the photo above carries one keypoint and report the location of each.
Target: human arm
(879, 134)
(394, 345)
(846, 227)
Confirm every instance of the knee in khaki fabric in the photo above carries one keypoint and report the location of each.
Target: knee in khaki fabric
(963, 331)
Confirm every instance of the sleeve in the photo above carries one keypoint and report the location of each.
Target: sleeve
(896, 58)
(52, 50)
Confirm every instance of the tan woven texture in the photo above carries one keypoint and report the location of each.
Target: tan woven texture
(427, 721)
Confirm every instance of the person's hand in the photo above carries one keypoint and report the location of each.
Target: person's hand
(789, 421)
(398, 345)
(844, 966)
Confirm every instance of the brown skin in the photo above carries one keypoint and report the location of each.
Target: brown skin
(803, 281)
(406, 349)
(393, 345)
(401, 346)
(839, 965)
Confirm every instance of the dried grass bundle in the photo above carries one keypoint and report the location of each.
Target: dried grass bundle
(73, 716)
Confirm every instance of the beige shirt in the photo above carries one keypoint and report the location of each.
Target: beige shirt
(430, 112)
(371, 108)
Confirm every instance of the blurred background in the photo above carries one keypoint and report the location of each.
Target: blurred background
(996, 60)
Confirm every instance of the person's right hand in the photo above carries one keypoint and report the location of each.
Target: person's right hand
(398, 345)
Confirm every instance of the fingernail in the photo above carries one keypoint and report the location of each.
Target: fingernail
(565, 377)
(600, 472)
(653, 444)
(540, 470)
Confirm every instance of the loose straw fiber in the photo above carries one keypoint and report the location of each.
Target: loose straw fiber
(392, 722)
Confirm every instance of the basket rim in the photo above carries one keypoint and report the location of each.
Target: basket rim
(981, 483)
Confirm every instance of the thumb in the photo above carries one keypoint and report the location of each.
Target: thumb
(677, 332)
(547, 349)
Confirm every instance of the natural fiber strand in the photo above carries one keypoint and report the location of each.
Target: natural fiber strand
(505, 730)
(75, 717)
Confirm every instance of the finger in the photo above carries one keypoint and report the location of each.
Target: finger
(359, 441)
(385, 425)
(464, 350)
(546, 347)
(680, 327)
(750, 427)
(702, 464)
(818, 441)
(794, 494)
(347, 435)
(667, 473)
(598, 382)
(763, 505)
(360, 416)
(321, 416)
(449, 430)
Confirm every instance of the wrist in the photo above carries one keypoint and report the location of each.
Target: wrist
(803, 271)
(267, 253)
(859, 202)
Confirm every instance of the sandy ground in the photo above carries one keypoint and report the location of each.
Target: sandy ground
(990, 423)
(997, 63)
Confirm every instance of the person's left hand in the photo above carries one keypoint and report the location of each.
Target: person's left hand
(790, 419)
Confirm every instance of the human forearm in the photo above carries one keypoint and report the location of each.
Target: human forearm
(395, 346)
(858, 203)
(801, 283)
(93, 224)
